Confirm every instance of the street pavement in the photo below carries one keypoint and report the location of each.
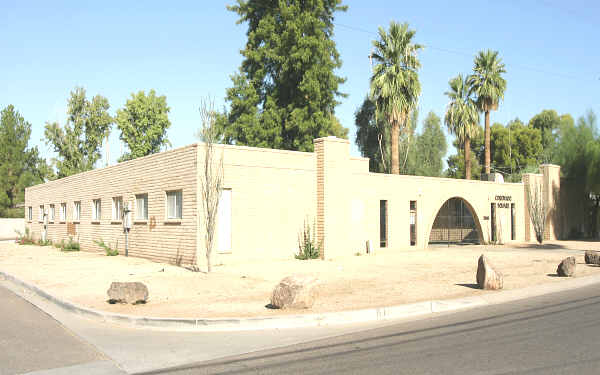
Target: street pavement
(30, 340)
(552, 334)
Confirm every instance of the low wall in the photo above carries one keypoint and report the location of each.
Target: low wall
(8, 228)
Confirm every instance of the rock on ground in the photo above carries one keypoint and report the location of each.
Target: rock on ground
(487, 276)
(566, 268)
(592, 257)
(295, 292)
(127, 292)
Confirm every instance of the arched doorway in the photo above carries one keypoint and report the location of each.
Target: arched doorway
(455, 223)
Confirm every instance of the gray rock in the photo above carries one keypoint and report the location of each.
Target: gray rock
(295, 292)
(566, 268)
(592, 257)
(127, 292)
(487, 276)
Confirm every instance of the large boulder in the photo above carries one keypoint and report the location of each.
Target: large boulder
(487, 276)
(127, 292)
(566, 268)
(295, 292)
(592, 257)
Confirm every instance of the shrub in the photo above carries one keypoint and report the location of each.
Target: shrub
(25, 238)
(41, 242)
(109, 251)
(70, 245)
(308, 247)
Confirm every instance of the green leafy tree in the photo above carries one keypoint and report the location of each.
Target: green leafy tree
(20, 165)
(516, 148)
(143, 123)
(549, 123)
(489, 86)
(461, 117)
(78, 143)
(395, 86)
(430, 148)
(372, 137)
(284, 94)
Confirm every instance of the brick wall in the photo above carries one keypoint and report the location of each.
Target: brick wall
(155, 238)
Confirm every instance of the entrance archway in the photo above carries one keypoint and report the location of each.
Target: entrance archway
(455, 223)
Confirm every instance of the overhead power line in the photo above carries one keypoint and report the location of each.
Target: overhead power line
(471, 55)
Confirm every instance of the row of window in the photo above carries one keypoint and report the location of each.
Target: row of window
(174, 202)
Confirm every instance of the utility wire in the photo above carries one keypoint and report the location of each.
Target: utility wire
(462, 53)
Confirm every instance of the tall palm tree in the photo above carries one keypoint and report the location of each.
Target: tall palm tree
(462, 117)
(489, 86)
(395, 86)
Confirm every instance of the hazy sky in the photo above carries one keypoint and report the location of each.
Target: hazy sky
(188, 50)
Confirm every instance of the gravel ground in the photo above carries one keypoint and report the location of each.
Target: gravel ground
(239, 290)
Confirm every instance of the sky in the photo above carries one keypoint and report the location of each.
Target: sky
(187, 51)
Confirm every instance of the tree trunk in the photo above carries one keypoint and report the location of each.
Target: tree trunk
(467, 158)
(487, 142)
(395, 151)
(208, 263)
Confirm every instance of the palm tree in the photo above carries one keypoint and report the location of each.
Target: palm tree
(488, 85)
(395, 86)
(462, 116)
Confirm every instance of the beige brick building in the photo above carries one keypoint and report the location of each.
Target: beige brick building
(268, 196)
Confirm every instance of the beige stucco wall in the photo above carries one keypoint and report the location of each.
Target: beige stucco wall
(351, 203)
(157, 238)
(272, 193)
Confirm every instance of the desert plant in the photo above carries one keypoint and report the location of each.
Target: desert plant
(109, 250)
(24, 238)
(308, 246)
(211, 183)
(69, 245)
(41, 242)
(538, 210)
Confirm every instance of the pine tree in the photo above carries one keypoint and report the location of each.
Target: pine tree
(284, 94)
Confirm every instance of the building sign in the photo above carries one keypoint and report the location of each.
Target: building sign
(503, 201)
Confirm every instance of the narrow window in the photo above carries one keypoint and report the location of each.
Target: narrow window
(383, 224)
(76, 211)
(117, 208)
(29, 213)
(493, 222)
(174, 201)
(141, 207)
(51, 213)
(41, 216)
(224, 221)
(413, 223)
(96, 209)
(63, 212)
(512, 222)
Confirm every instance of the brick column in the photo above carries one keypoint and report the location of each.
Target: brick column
(551, 181)
(333, 200)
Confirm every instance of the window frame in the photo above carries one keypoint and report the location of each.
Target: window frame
(29, 213)
(117, 209)
(63, 212)
(178, 205)
(41, 213)
(144, 217)
(96, 210)
(76, 211)
(51, 213)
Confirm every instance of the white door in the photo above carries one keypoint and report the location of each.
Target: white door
(224, 221)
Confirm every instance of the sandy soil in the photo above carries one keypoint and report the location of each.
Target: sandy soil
(239, 290)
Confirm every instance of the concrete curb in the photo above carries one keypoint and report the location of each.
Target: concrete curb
(306, 320)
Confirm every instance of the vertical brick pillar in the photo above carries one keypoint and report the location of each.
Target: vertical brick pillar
(333, 199)
(551, 181)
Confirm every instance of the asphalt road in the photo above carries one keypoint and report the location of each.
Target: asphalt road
(30, 340)
(553, 334)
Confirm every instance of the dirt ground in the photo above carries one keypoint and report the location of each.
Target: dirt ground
(241, 290)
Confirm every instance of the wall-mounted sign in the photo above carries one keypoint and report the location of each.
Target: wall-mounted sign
(503, 201)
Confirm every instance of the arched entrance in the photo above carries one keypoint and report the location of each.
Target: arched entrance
(455, 223)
